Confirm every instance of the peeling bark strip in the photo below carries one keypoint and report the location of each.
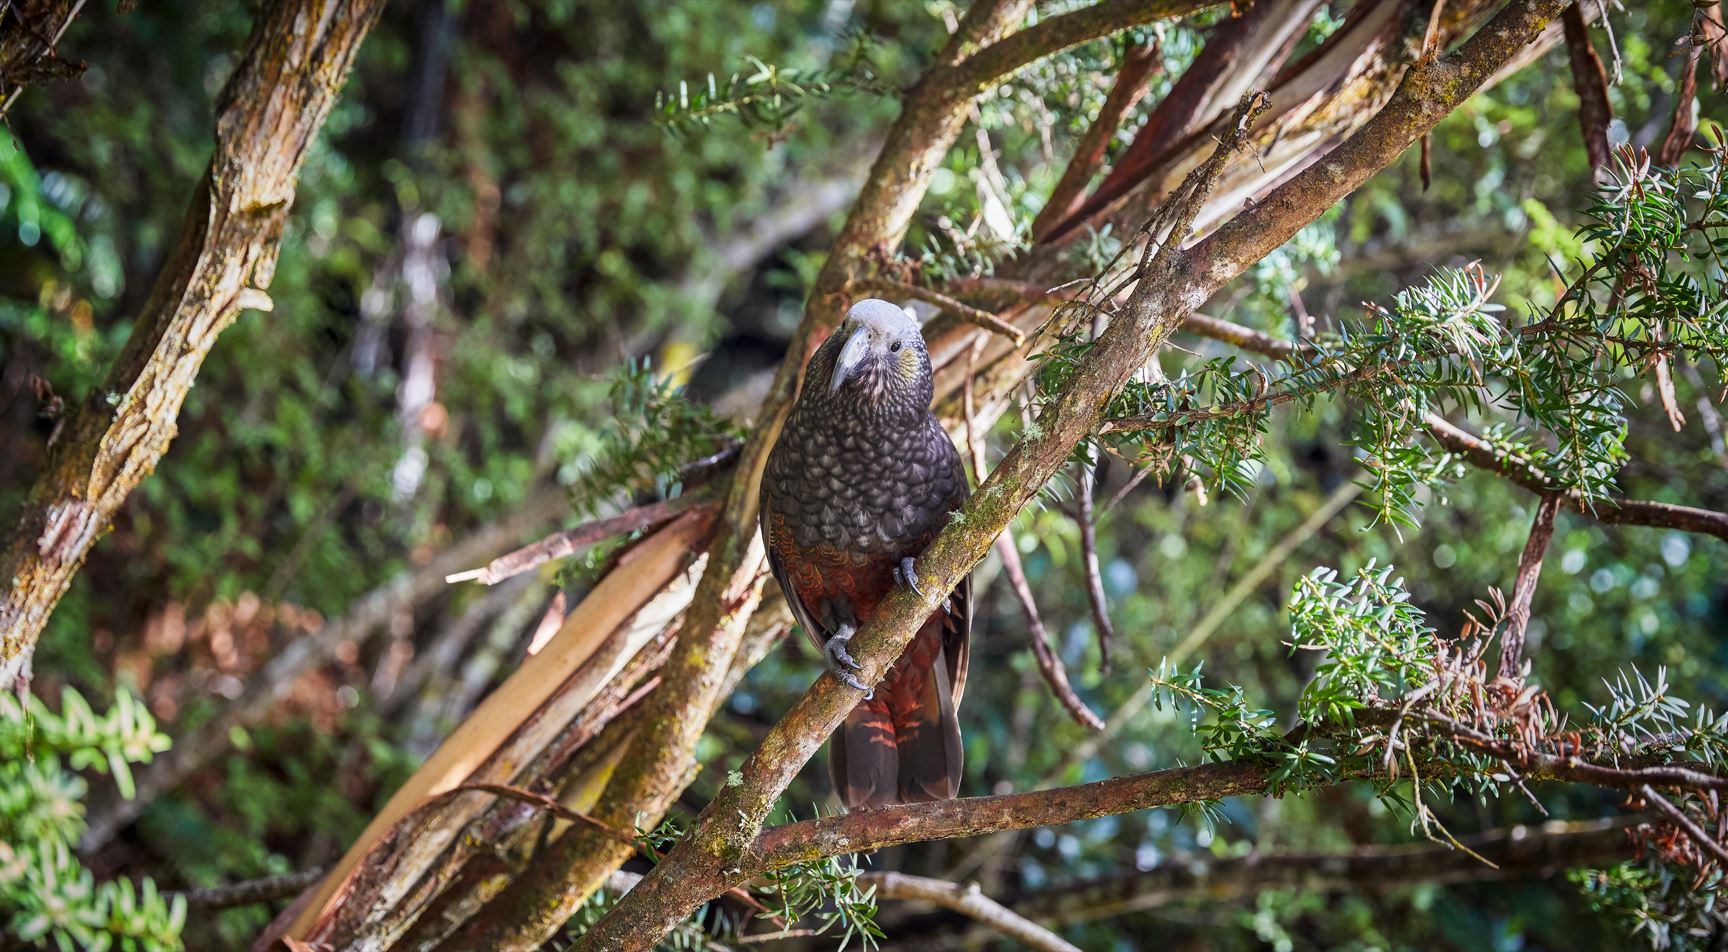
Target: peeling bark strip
(288, 78)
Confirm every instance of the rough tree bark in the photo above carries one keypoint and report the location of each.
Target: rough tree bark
(287, 80)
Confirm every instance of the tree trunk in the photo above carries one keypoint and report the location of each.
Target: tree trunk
(272, 108)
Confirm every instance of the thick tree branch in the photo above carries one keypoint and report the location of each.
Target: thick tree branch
(867, 830)
(269, 113)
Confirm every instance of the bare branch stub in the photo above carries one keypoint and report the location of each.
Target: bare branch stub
(1524, 588)
(957, 309)
(570, 541)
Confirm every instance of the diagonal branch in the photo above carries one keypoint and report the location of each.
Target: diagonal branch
(570, 541)
(1140, 63)
(1055, 673)
(953, 307)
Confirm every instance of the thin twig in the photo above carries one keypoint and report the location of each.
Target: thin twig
(569, 541)
(1049, 665)
(1094, 578)
(1678, 817)
(968, 900)
(253, 891)
(959, 309)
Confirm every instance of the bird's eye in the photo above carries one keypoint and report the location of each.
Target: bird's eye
(895, 347)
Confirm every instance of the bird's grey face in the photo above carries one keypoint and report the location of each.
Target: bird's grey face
(877, 359)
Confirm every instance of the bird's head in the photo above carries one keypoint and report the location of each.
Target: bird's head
(876, 359)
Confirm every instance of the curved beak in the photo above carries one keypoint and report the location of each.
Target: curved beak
(851, 355)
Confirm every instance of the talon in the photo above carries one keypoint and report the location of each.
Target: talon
(839, 660)
(906, 574)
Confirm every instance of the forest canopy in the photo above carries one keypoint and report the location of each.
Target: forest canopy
(386, 391)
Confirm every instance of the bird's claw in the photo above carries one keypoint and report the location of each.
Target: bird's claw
(839, 660)
(906, 576)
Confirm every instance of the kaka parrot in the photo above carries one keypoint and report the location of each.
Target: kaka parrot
(861, 480)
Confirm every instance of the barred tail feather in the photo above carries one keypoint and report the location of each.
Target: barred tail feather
(864, 759)
(903, 745)
(930, 752)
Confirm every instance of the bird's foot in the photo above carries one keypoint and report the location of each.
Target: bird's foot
(840, 662)
(906, 575)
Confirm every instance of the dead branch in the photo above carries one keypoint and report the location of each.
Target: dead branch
(952, 307)
(570, 541)
(969, 901)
